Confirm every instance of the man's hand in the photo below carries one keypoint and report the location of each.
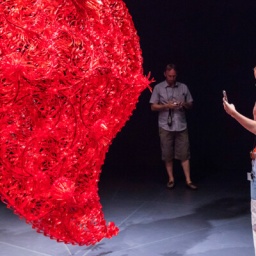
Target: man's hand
(174, 105)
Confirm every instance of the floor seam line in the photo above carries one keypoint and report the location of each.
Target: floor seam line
(25, 249)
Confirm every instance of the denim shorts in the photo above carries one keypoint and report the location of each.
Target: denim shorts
(174, 145)
(253, 181)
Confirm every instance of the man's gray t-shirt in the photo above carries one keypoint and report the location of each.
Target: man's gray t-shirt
(162, 94)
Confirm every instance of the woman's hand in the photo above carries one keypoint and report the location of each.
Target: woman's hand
(230, 108)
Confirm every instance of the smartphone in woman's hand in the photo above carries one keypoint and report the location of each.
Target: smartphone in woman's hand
(225, 95)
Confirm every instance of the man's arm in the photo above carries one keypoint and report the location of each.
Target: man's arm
(187, 105)
(159, 107)
(162, 107)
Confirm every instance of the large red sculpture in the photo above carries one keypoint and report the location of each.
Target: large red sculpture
(70, 77)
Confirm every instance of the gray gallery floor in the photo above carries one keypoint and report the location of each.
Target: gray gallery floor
(153, 221)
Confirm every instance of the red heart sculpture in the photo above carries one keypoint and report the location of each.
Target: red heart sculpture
(71, 74)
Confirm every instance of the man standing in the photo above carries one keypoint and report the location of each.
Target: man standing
(171, 98)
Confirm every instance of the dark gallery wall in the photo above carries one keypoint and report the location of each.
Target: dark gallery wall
(213, 43)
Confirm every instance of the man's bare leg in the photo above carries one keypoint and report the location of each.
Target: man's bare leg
(169, 169)
(186, 169)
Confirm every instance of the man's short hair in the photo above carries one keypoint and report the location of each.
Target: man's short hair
(170, 67)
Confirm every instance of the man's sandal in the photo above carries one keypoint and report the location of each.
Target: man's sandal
(170, 184)
(191, 186)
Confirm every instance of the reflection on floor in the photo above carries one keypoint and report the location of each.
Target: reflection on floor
(153, 221)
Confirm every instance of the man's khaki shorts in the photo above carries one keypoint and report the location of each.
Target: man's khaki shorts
(174, 145)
